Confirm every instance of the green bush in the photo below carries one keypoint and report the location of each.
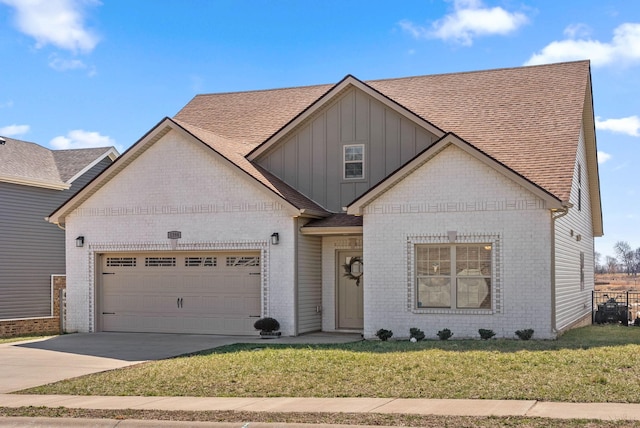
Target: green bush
(416, 333)
(525, 334)
(445, 334)
(486, 334)
(384, 335)
(267, 324)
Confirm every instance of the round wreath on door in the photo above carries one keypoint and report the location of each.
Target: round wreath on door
(353, 269)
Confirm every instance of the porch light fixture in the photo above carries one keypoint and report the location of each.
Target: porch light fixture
(80, 241)
(275, 238)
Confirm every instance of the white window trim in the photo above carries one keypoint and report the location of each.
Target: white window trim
(494, 239)
(344, 162)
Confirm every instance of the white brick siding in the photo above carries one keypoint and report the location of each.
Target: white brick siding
(180, 185)
(455, 192)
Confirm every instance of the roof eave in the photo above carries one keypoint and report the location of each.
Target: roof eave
(32, 182)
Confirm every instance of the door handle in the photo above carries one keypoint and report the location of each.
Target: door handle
(178, 302)
(181, 301)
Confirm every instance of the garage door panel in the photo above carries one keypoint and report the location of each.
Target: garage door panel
(181, 293)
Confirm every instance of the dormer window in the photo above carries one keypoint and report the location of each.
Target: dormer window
(354, 161)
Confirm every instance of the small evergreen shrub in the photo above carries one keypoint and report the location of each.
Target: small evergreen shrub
(384, 335)
(267, 324)
(486, 334)
(416, 333)
(445, 334)
(525, 334)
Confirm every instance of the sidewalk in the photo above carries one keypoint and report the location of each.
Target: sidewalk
(602, 411)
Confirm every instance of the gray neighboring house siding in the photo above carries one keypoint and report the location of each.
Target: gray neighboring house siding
(31, 249)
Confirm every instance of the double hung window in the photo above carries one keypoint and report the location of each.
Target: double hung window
(354, 161)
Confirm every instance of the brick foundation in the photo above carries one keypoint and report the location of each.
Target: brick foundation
(44, 325)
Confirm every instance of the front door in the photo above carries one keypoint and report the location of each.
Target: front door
(350, 280)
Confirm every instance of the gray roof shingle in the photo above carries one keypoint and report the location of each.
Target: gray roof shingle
(23, 160)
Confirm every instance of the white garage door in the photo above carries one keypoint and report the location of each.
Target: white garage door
(198, 293)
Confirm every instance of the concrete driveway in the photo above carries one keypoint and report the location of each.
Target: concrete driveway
(38, 362)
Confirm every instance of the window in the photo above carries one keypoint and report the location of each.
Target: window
(454, 276)
(246, 261)
(159, 261)
(121, 262)
(354, 161)
(200, 261)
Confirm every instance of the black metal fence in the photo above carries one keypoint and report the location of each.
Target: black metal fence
(627, 302)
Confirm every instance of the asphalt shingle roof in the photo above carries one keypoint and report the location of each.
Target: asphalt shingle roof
(29, 161)
(528, 118)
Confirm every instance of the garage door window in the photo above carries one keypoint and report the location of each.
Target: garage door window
(121, 262)
(159, 261)
(201, 261)
(246, 261)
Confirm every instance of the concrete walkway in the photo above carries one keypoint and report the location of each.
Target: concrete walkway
(602, 411)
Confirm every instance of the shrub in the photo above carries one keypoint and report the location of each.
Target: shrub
(267, 324)
(486, 334)
(525, 334)
(445, 334)
(416, 333)
(384, 335)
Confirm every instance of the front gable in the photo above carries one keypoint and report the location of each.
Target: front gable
(172, 163)
(310, 157)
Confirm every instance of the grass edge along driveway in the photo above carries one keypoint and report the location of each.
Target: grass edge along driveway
(590, 364)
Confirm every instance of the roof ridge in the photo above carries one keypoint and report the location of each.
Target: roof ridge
(488, 70)
(264, 90)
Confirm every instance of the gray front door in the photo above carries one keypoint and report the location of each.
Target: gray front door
(349, 293)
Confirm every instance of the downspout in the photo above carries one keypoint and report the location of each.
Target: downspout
(555, 214)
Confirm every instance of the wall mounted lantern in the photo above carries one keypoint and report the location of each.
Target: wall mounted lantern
(80, 241)
(275, 238)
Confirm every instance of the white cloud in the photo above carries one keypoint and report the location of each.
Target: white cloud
(469, 20)
(60, 64)
(13, 130)
(626, 125)
(624, 47)
(577, 30)
(56, 22)
(6, 104)
(603, 157)
(80, 139)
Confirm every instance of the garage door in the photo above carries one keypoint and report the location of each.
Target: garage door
(198, 293)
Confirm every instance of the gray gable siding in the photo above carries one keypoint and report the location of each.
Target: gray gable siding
(31, 249)
(311, 159)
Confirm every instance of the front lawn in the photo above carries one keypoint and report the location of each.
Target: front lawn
(592, 364)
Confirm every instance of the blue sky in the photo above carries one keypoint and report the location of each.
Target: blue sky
(83, 73)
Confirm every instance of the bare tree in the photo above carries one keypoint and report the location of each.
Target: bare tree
(612, 265)
(596, 262)
(625, 255)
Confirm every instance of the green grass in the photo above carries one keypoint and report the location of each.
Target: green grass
(592, 364)
(22, 338)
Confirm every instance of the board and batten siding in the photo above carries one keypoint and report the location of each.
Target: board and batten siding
(573, 235)
(309, 277)
(311, 159)
(31, 249)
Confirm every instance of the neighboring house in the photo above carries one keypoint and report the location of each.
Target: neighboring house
(469, 200)
(34, 181)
